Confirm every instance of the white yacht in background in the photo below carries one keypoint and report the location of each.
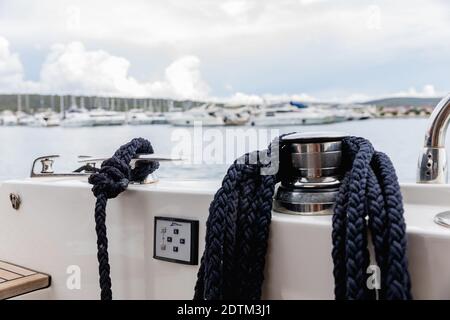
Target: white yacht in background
(141, 117)
(349, 112)
(8, 118)
(24, 119)
(289, 115)
(236, 118)
(102, 117)
(77, 117)
(157, 118)
(208, 115)
(45, 119)
(344, 114)
(362, 114)
(237, 115)
(341, 115)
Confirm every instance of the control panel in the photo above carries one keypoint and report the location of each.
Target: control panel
(176, 240)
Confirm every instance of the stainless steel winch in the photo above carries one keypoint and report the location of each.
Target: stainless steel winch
(310, 171)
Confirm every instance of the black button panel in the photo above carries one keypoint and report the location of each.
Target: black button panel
(176, 240)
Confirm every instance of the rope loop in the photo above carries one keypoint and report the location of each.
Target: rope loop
(232, 266)
(112, 179)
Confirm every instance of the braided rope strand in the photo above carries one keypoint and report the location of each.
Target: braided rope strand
(357, 256)
(398, 283)
(102, 247)
(112, 179)
(239, 222)
(248, 207)
(338, 235)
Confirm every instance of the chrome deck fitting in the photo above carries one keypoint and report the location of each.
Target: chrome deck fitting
(91, 163)
(432, 166)
(15, 200)
(443, 219)
(47, 168)
(310, 171)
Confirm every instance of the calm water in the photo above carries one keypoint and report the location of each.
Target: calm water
(401, 139)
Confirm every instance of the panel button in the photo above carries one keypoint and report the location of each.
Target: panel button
(175, 240)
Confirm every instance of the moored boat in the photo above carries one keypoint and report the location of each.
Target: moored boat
(77, 117)
(140, 117)
(207, 115)
(102, 117)
(291, 115)
(24, 119)
(8, 118)
(45, 119)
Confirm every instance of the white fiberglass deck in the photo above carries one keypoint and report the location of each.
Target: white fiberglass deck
(53, 231)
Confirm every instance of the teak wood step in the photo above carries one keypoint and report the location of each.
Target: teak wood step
(16, 280)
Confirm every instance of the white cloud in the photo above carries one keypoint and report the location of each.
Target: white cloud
(184, 79)
(244, 98)
(72, 69)
(428, 91)
(308, 37)
(190, 22)
(237, 8)
(9, 63)
(309, 2)
(11, 69)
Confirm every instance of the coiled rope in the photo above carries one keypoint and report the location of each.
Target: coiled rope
(232, 266)
(113, 178)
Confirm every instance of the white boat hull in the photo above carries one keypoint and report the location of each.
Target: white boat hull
(9, 121)
(102, 117)
(188, 122)
(45, 124)
(144, 120)
(292, 120)
(207, 115)
(109, 121)
(78, 122)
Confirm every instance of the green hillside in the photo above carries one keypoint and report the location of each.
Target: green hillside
(34, 102)
(404, 101)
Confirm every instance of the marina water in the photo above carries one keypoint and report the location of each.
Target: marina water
(401, 139)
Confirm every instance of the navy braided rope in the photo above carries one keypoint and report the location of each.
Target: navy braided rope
(112, 179)
(232, 266)
(239, 217)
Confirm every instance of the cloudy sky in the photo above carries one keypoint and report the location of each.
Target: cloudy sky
(226, 49)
